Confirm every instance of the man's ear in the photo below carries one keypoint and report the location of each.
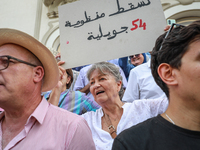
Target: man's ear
(167, 74)
(38, 74)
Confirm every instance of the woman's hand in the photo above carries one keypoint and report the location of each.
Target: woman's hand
(63, 77)
(60, 87)
(58, 57)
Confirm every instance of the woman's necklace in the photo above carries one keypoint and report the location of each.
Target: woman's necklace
(111, 128)
(169, 118)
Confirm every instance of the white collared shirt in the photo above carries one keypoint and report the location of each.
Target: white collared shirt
(141, 85)
(133, 113)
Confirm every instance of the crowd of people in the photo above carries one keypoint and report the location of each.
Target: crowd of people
(138, 102)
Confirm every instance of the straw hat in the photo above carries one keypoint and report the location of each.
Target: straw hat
(51, 72)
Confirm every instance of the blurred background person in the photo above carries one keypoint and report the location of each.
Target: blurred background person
(141, 84)
(129, 63)
(73, 101)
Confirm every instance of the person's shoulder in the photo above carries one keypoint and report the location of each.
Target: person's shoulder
(89, 116)
(138, 132)
(127, 105)
(141, 68)
(63, 115)
(78, 93)
(145, 125)
(150, 101)
(81, 97)
(137, 137)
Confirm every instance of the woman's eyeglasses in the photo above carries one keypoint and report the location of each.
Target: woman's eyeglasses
(170, 29)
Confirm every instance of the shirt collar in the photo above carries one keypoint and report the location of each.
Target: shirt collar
(40, 112)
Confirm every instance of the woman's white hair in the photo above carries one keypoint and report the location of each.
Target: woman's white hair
(107, 68)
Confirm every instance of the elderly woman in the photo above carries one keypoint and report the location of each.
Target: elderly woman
(114, 116)
(73, 101)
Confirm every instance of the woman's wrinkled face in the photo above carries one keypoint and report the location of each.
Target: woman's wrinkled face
(104, 87)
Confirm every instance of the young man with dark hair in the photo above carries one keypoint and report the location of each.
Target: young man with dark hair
(175, 65)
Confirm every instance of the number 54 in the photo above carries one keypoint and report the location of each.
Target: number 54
(141, 25)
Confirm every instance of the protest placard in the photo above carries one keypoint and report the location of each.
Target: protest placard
(98, 30)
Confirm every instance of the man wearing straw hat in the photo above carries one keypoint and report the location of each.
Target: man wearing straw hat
(28, 121)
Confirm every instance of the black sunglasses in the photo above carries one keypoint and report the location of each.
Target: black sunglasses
(170, 29)
(134, 56)
(5, 60)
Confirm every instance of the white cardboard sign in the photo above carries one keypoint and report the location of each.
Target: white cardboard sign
(98, 30)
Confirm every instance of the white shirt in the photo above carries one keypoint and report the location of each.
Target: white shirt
(133, 113)
(141, 85)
